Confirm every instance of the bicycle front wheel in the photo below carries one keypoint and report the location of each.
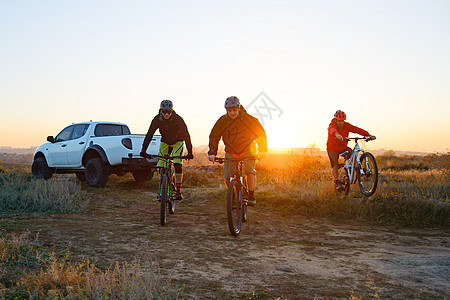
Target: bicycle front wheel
(164, 200)
(234, 208)
(368, 174)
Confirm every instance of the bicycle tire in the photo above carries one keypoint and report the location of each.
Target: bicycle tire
(345, 181)
(163, 212)
(234, 208)
(369, 180)
(171, 196)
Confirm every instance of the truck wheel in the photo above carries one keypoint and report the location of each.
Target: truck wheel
(142, 175)
(40, 169)
(96, 173)
(81, 176)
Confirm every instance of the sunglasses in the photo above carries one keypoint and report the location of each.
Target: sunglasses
(166, 111)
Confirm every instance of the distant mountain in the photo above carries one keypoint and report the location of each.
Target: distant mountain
(17, 150)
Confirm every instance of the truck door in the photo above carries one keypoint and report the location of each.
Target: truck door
(57, 155)
(76, 145)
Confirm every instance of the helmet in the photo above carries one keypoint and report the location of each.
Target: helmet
(340, 115)
(232, 101)
(166, 104)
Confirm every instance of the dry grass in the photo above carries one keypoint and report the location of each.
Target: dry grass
(29, 271)
(21, 193)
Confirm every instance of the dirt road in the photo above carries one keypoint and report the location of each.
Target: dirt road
(278, 254)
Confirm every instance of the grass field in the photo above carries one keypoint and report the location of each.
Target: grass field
(413, 192)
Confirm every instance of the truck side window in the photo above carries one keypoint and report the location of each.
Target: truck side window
(125, 130)
(79, 131)
(65, 134)
(109, 130)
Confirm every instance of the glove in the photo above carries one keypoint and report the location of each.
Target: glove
(143, 154)
(189, 156)
(262, 154)
(212, 158)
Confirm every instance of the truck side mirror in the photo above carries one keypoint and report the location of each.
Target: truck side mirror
(50, 139)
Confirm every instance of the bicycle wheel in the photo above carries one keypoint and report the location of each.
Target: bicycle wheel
(164, 200)
(234, 208)
(368, 174)
(345, 182)
(171, 196)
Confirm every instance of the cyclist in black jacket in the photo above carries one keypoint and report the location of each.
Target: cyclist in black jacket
(173, 132)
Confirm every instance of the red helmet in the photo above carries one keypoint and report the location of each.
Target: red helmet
(340, 115)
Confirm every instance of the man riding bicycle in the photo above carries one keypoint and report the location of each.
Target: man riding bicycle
(338, 130)
(240, 133)
(173, 132)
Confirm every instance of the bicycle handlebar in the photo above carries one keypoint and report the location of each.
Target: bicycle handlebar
(159, 156)
(367, 139)
(221, 160)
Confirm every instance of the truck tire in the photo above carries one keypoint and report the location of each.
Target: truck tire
(142, 175)
(81, 176)
(96, 173)
(40, 169)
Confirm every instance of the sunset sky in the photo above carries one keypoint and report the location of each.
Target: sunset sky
(385, 63)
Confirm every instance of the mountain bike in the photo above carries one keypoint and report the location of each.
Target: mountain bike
(359, 165)
(237, 195)
(166, 194)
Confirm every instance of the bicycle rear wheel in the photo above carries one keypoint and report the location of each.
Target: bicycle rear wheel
(172, 195)
(368, 174)
(344, 179)
(164, 199)
(234, 208)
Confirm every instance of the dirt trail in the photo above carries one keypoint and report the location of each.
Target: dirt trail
(276, 255)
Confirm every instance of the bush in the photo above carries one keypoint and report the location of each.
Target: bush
(19, 192)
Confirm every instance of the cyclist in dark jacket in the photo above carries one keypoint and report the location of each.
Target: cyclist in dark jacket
(240, 133)
(338, 130)
(173, 132)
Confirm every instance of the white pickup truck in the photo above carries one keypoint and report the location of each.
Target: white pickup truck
(93, 151)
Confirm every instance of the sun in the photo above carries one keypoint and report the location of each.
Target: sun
(280, 140)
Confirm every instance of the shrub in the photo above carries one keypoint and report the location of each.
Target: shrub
(19, 192)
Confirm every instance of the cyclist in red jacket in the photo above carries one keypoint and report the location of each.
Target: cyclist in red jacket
(338, 130)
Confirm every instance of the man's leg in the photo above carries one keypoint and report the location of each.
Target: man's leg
(178, 181)
(251, 181)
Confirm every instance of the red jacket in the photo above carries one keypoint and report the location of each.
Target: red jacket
(333, 143)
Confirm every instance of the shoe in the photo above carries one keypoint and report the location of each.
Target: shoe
(178, 195)
(158, 197)
(339, 186)
(251, 200)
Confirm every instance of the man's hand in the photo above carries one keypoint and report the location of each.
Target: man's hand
(143, 154)
(212, 158)
(338, 136)
(262, 154)
(189, 156)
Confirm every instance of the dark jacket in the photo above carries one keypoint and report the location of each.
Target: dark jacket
(238, 134)
(172, 130)
(333, 143)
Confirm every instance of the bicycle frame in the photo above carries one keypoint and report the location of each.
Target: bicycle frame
(353, 162)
